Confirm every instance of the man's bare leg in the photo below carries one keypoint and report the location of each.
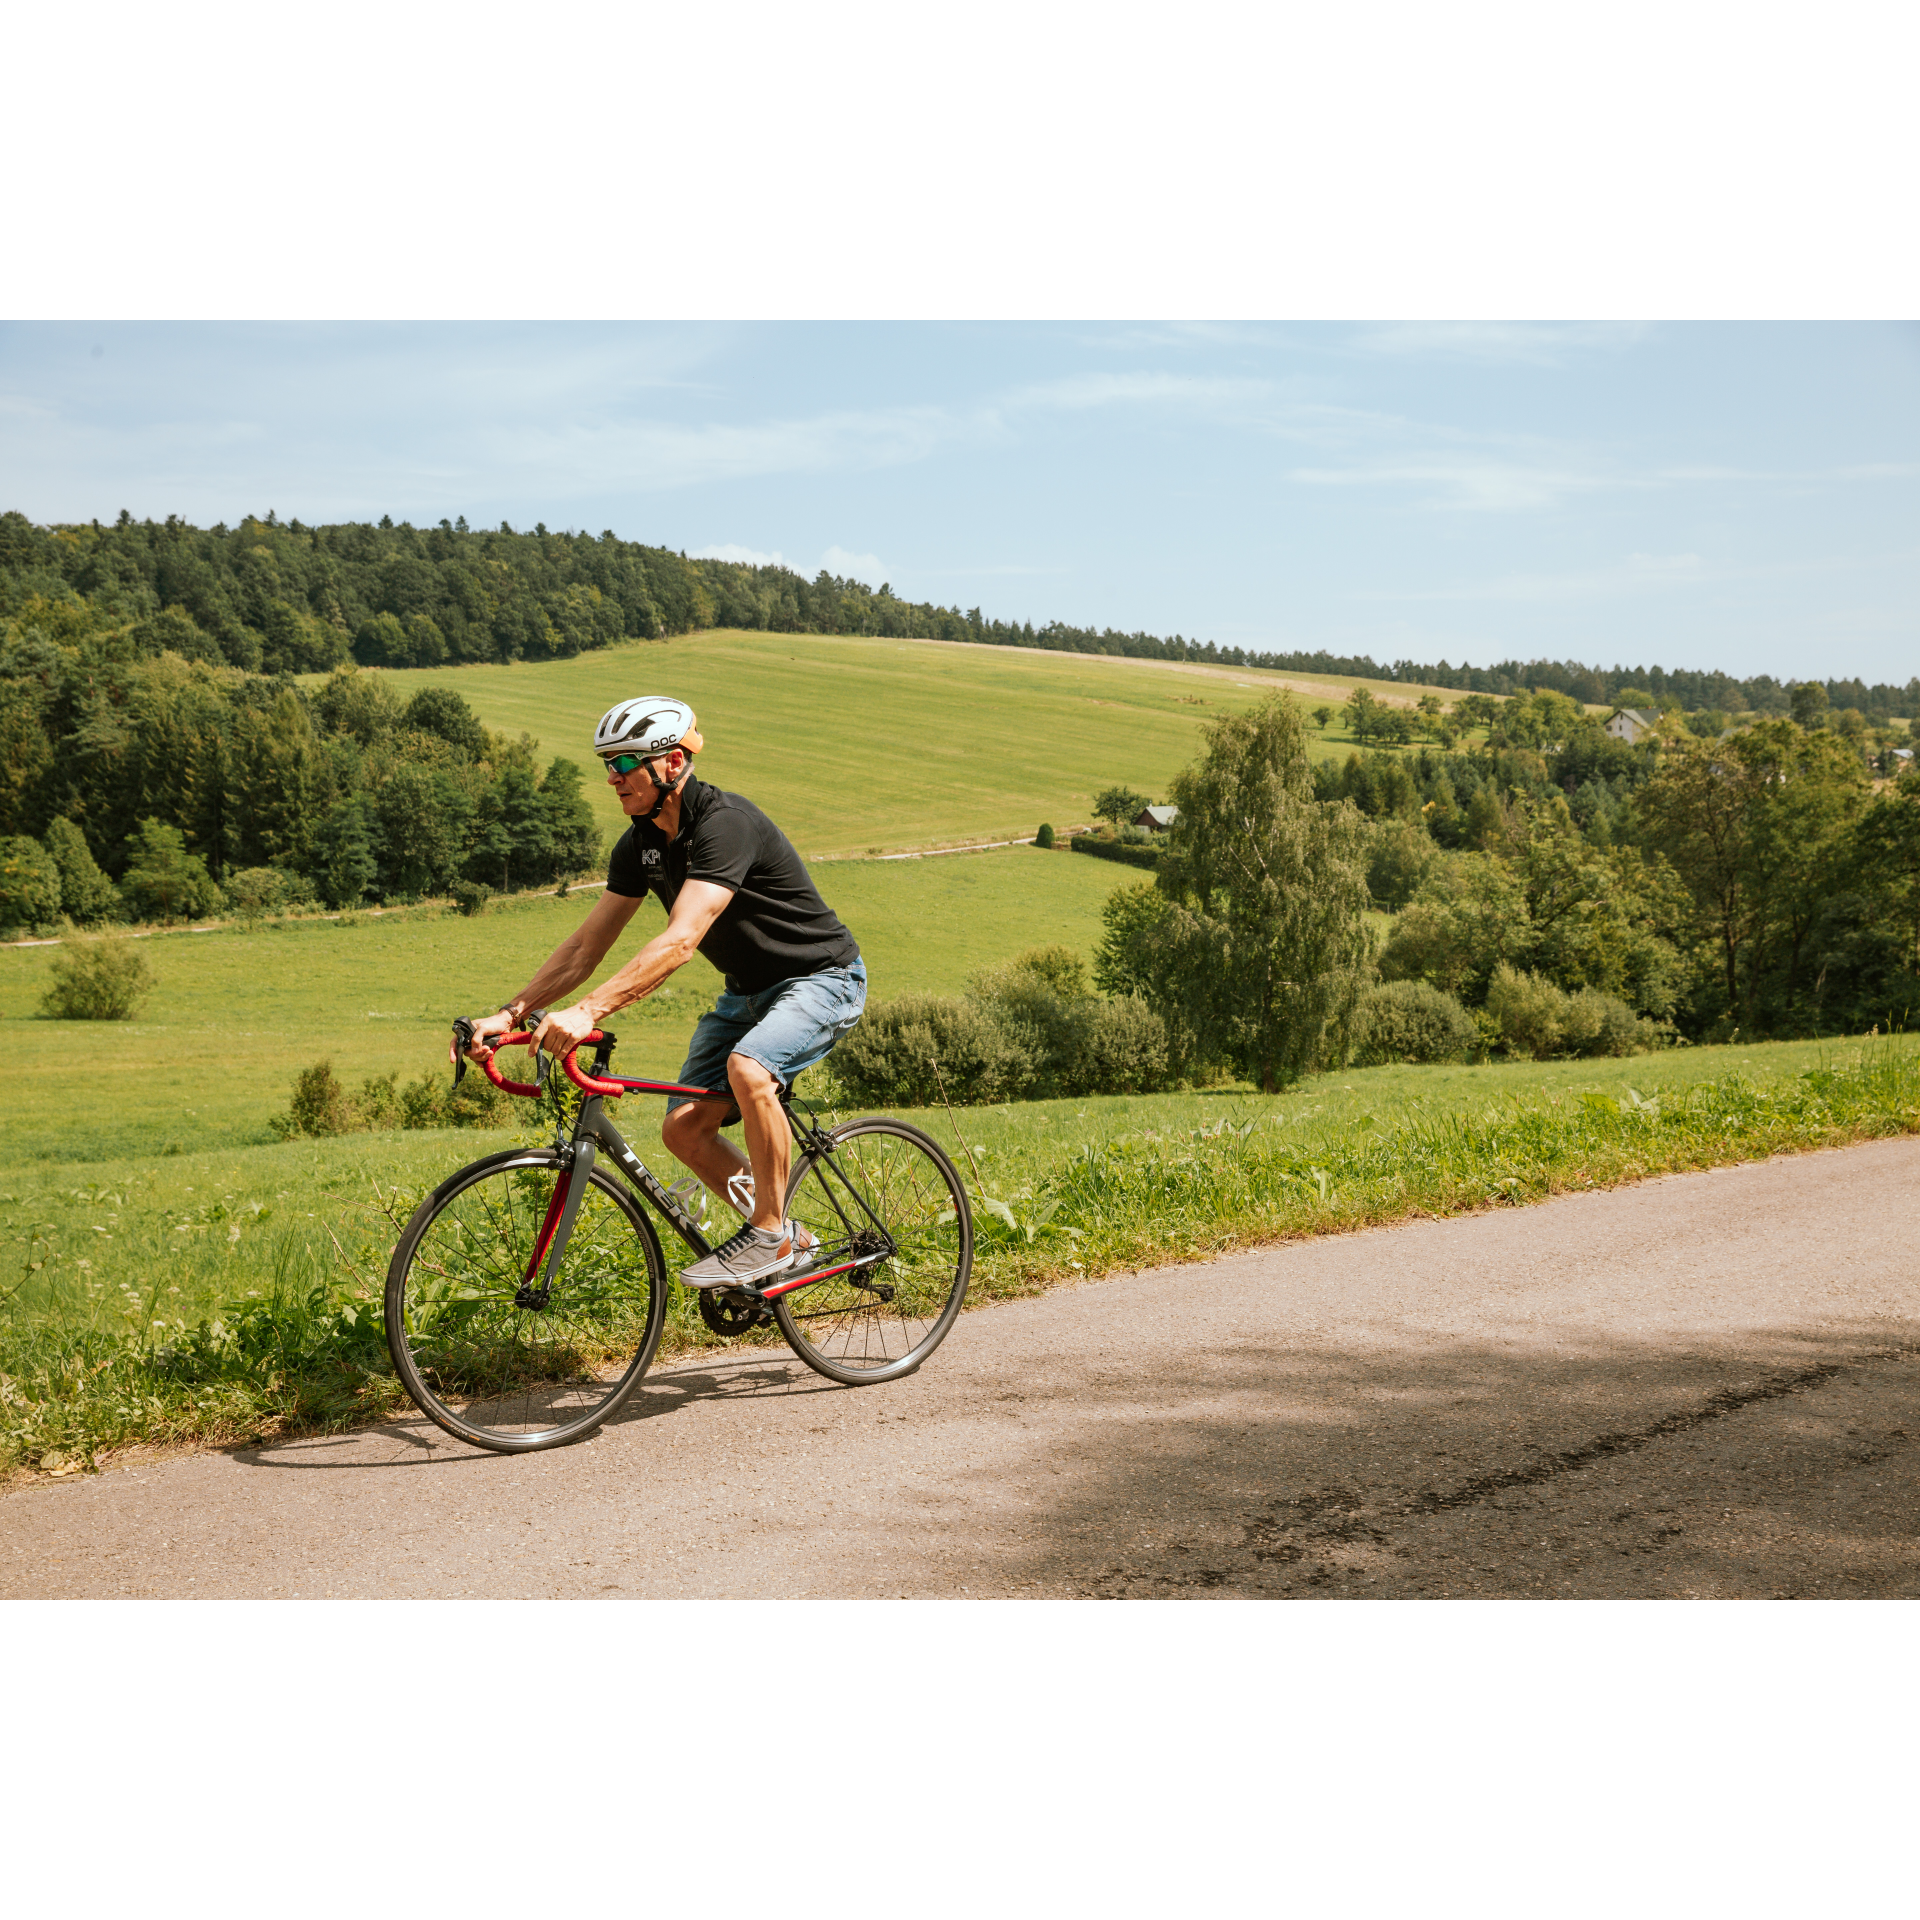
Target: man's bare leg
(769, 1139)
(693, 1137)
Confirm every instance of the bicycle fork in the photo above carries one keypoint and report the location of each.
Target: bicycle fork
(556, 1229)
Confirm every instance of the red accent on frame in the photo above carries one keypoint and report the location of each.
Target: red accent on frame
(547, 1226)
(805, 1280)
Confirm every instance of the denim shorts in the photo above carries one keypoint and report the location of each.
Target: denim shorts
(787, 1028)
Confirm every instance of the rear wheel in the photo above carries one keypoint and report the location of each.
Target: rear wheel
(887, 1206)
(486, 1349)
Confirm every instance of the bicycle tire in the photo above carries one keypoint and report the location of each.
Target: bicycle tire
(884, 1170)
(511, 1377)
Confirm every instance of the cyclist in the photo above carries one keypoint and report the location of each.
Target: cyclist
(735, 890)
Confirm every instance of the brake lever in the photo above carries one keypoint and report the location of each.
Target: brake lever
(462, 1040)
(530, 1023)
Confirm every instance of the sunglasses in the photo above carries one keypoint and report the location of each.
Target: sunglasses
(623, 763)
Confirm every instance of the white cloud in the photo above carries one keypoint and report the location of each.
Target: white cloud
(1638, 572)
(1506, 343)
(1476, 485)
(854, 566)
(1077, 392)
(732, 550)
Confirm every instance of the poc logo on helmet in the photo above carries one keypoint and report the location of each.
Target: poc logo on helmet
(650, 724)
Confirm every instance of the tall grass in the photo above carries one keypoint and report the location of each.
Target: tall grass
(89, 1363)
(1241, 1181)
(142, 1312)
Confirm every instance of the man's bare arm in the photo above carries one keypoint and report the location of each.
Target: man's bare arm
(571, 962)
(698, 905)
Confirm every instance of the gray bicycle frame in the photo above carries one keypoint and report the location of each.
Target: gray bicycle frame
(594, 1127)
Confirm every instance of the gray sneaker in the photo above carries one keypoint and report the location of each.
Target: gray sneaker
(749, 1259)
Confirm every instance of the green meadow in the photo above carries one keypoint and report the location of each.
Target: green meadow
(237, 1014)
(861, 746)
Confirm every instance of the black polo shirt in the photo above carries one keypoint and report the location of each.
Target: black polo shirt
(776, 927)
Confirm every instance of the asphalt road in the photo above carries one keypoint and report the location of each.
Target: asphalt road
(1706, 1386)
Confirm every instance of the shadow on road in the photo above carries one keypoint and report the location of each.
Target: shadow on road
(417, 1442)
(1769, 1462)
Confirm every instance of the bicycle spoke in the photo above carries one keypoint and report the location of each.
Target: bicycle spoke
(510, 1374)
(884, 1189)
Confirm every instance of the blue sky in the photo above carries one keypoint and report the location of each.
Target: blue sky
(1743, 496)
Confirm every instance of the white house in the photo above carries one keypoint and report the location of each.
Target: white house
(1632, 724)
(1158, 818)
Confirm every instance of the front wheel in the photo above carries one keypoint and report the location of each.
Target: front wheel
(488, 1350)
(886, 1204)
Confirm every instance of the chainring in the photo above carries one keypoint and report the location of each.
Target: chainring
(730, 1314)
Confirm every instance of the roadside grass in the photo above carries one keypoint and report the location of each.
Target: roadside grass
(237, 1014)
(861, 746)
(217, 1297)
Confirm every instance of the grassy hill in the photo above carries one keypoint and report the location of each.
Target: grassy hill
(861, 746)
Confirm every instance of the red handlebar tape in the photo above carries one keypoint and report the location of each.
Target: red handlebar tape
(586, 1082)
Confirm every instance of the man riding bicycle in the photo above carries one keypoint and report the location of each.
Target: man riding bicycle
(735, 890)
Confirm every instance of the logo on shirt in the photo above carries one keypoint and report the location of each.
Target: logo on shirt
(650, 856)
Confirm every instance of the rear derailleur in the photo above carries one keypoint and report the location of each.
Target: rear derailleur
(870, 1248)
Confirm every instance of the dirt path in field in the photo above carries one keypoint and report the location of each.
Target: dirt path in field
(1704, 1386)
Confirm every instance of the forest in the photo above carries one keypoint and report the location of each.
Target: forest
(1761, 880)
(280, 597)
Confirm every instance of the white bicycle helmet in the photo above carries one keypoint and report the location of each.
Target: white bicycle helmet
(650, 724)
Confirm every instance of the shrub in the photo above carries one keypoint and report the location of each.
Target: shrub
(322, 1106)
(434, 1101)
(163, 881)
(1044, 838)
(470, 896)
(256, 891)
(1410, 1020)
(1030, 1030)
(1059, 969)
(1132, 856)
(86, 894)
(889, 1057)
(29, 883)
(1600, 1026)
(1529, 1012)
(97, 980)
(1537, 1021)
(319, 1105)
(1125, 1048)
(1040, 1002)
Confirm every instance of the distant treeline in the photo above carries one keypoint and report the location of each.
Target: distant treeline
(280, 597)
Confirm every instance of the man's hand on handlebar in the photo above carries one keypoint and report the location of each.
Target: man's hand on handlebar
(562, 1029)
(486, 1030)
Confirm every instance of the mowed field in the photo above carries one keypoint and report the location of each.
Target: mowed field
(861, 746)
(236, 1014)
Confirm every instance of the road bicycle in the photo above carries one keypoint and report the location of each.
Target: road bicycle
(527, 1294)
